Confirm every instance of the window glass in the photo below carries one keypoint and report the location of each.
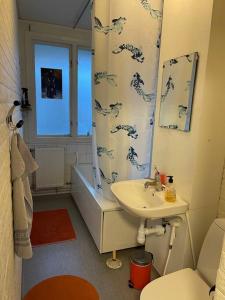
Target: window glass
(84, 92)
(52, 82)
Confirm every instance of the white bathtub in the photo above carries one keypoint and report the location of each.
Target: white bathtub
(110, 226)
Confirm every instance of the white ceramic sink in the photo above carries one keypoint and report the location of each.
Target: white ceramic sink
(146, 203)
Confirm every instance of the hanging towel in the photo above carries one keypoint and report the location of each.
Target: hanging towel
(22, 164)
(220, 280)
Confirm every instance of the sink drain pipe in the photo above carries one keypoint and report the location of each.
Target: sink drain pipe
(143, 231)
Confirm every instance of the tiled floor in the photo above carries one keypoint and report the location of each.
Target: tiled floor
(79, 257)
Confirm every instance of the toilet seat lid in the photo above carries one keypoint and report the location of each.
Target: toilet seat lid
(185, 284)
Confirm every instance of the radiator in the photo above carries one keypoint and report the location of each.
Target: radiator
(51, 167)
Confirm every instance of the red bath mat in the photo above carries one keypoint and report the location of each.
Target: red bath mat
(64, 287)
(51, 226)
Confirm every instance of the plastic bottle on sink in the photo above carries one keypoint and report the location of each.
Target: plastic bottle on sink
(170, 192)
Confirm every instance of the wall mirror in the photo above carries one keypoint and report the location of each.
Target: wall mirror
(177, 92)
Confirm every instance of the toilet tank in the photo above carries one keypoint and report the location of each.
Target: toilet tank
(209, 257)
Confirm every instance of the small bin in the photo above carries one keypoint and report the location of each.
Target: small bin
(140, 270)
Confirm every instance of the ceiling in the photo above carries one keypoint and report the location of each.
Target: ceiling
(70, 13)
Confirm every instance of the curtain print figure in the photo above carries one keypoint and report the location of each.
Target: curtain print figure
(158, 42)
(132, 157)
(99, 187)
(151, 122)
(110, 78)
(156, 14)
(113, 110)
(169, 86)
(94, 171)
(103, 150)
(189, 85)
(117, 25)
(137, 53)
(137, 84)
(152, 119)
(109, 180)
(188, 56)
(173, 61)
(182, 110)
(131, 131)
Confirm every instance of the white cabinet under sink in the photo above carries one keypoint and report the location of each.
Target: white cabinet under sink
(119, 230)
(111, 227)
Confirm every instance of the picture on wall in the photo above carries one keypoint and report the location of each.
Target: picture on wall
(51, 83)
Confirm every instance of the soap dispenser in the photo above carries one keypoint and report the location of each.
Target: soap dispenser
(170, 192)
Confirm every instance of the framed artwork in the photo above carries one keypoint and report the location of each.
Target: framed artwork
(51, 83)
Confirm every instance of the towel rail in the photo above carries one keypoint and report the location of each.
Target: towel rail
(9, 120)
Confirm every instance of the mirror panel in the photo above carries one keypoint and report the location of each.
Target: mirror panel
(177, 92)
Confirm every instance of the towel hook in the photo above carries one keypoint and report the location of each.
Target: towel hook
(9, 120)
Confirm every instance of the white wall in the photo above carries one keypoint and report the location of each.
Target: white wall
(10, 265)
(194, 158)
(67, 35)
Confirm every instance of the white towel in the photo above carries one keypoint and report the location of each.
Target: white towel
(22, 164)
(220, 280)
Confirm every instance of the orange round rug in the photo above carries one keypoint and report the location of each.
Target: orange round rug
(66, 287)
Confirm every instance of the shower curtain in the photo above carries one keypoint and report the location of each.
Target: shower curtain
(126, 42)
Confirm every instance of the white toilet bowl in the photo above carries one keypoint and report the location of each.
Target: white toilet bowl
(187, 284)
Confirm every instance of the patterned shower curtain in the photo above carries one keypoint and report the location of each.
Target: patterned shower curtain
(126, 42)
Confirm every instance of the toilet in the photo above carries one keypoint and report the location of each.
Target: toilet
(188, 284)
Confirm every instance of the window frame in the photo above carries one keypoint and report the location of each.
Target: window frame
(31, 39)
(76, 127)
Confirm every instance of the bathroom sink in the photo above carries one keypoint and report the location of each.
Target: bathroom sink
(145, 203)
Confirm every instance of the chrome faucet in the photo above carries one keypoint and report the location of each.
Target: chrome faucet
(154, 182)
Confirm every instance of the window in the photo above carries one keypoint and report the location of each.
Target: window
(52, 82)
(84, 92)
(63, 109)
